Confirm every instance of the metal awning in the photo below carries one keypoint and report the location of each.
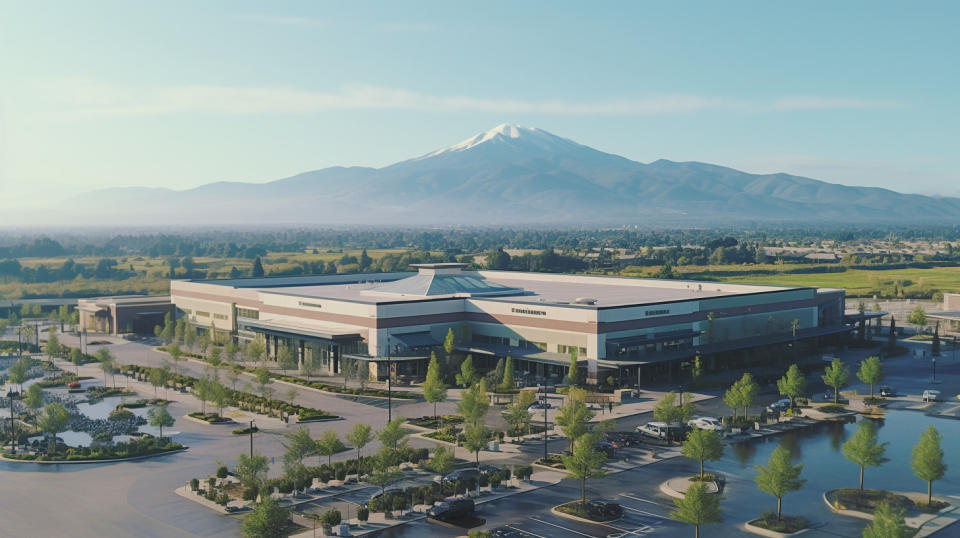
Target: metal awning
(414, 340)
(535, 355)
(302, 333)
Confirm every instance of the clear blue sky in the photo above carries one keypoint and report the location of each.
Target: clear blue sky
(177, 94)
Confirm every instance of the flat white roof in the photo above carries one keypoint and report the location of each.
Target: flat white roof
(545, 288)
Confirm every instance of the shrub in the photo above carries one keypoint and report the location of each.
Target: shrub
(495, 480)
(249, 494)
(222, 471)
(223, 499)
(194, 484)
(363, 513)
(330, 518)
(341, 473)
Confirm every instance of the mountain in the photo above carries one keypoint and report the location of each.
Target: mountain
(513, 175)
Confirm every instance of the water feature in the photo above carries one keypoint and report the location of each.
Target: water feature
(825, 468)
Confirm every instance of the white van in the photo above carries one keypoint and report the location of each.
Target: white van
(660, 430)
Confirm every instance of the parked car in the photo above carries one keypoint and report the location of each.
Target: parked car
(598, 509)
(707, 423)
(452, 509)
(660, 430)
(539, 406)
(389, 492)
(779, 405)
(607, 448)
(888, 392)
(621, 439)
(931, 395)
(468, 473)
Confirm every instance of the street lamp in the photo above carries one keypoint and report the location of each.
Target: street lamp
(934, 361)
(13, 424)
(544, 424)
(252, 426)
(389, 385)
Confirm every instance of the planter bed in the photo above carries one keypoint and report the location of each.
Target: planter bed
(79, 458)
(209, 419)
(767, 525)
(574, 510)
(372, 393)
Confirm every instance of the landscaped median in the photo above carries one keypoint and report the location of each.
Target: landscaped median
(769, 525)
(861, 504)
(370, 393)
(577, 511)
(242, 400)
(144, 447)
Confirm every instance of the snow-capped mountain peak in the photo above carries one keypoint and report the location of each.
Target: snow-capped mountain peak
(501, 132)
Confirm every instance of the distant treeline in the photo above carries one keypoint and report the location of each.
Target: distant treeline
(250, 244)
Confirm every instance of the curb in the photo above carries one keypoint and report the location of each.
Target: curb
(571, 517)
(769, 533)
(75, 462)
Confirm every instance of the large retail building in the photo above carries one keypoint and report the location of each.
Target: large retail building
(634, 330)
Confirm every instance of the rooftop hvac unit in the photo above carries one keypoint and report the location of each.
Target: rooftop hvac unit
(584, 300)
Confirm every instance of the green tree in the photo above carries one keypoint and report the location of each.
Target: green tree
(667, 410)
(34, 399)
(267, 520)
(449, 343)
(107, 363)
(468, 374)
(442, 462)
(585, 462)
(76, 357)
(392, 435)
(697, 507)
(329, 444)
(360, 436)
(702, 445)
(507, 383)
(918, 316)
(871, 372)
(518, 415)
(218, 395)
(863, 449)
(926, 459)
(475, 438)
(53, 343)
(53, 421)
(383, 473)
(792, 385)
(836, 375)
(573, 419)
(573, 372)
(18, 373)
(779, 476)
(159, 377)
(252, 470)
(473, 404)
(257, 271)
(285, 359)
(496, 376)
(434, 391)
(888, 522)
(160, 417)
(263, 381)
(748, 391)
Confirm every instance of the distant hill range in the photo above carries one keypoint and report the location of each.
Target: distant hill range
(510, 176)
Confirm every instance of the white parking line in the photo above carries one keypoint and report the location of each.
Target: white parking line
(644, 512)
(644, 500)
(524, 532)
(561, 527)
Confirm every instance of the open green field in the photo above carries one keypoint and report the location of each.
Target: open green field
(152, 273)
(885, 283)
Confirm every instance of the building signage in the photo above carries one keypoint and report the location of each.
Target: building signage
(656, 312)
(315, 305)
(528, 311)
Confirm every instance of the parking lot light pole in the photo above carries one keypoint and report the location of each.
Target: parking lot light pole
(544, 424)
(252, 426)
(934, 361)
(13, 425)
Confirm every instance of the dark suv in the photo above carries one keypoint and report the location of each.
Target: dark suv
(452, 509)
(604, 510)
